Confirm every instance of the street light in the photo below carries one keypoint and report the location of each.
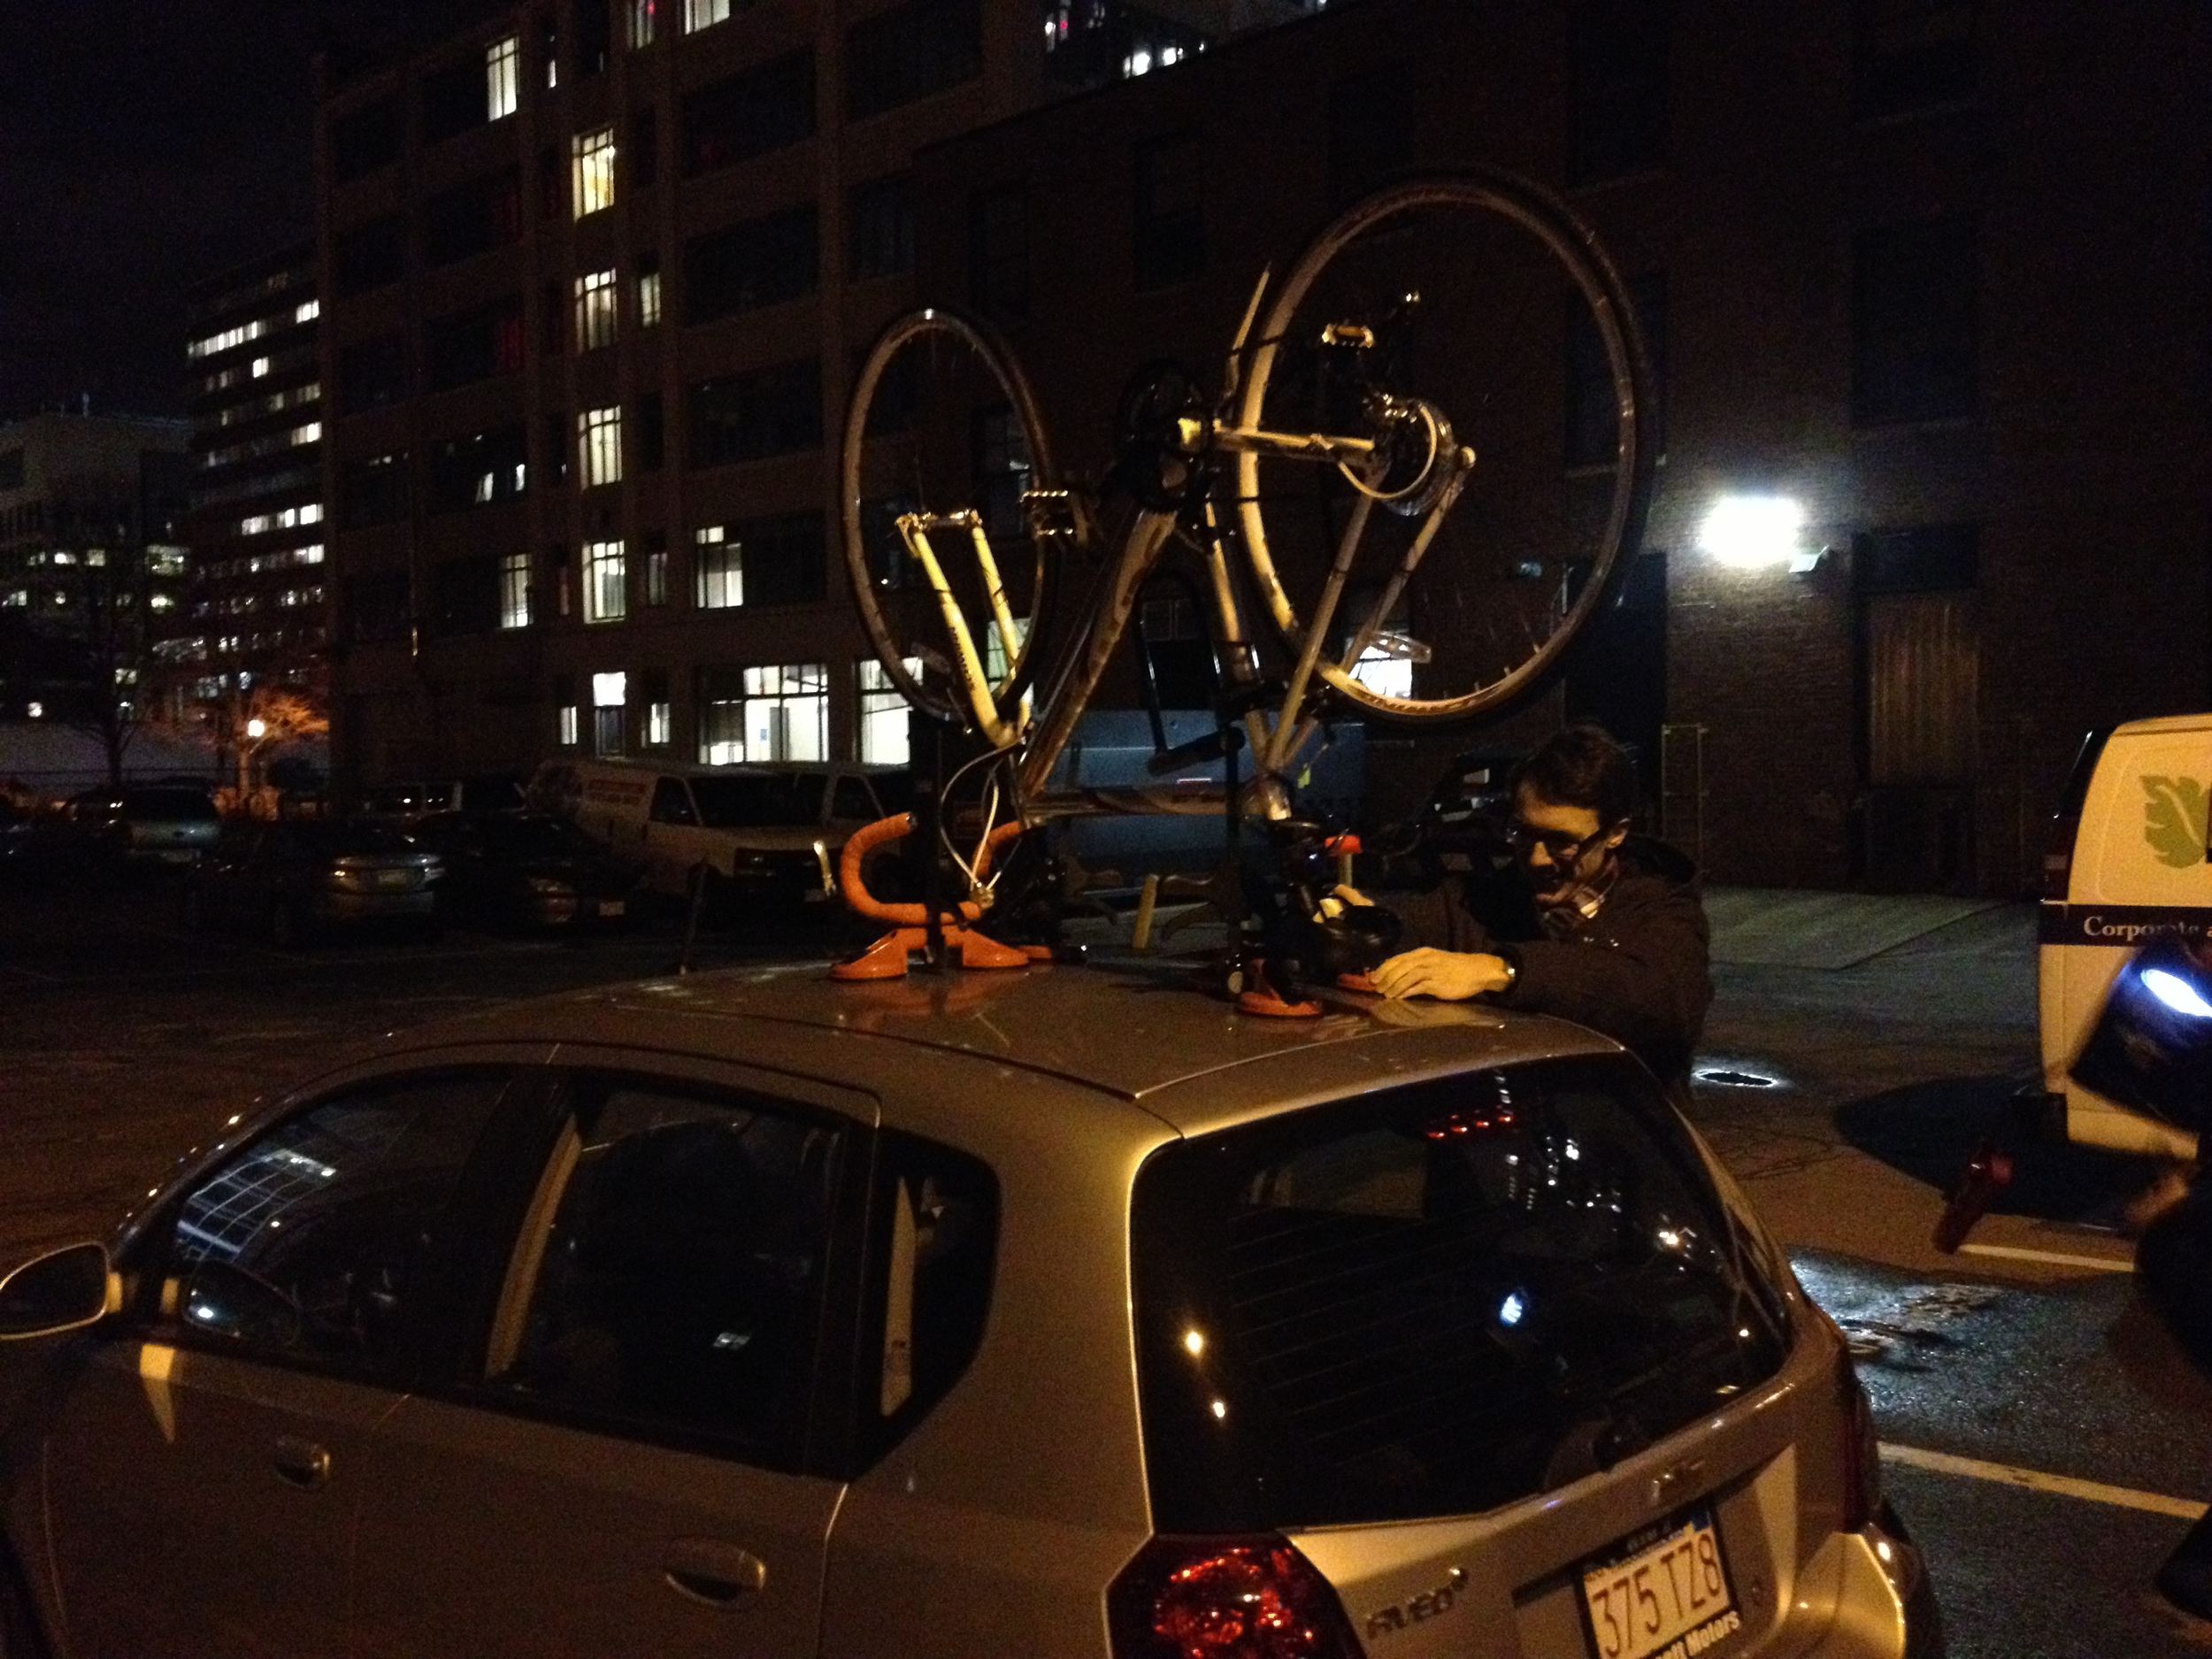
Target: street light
(256, 728)
(1750, 533)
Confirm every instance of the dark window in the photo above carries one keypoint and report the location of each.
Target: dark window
(473, 217)
(1910, 54)
(12, 469)
(1396, 1300)
(321, 1239)
(465, 597)
(1914, 292)
(765, 411)
(369, 255)
(644, 155)
(365, 139)
(672, 802)
(1926, 558)
(552, 321)
(1617, 121)
(372, 372)
(880, 225)
(747, 115)
(648, 435)
(477, 469)
(1592, 410)
(474, 345)
(553, 460)
(998, 251)
(680, 1287)
(372, 491)
(455, 98)
(784, 560)
(552, 184)
(1003, 465)
(1371, 130)
(910, 51)
(594, 35)
(933, 1226)
(1093, 42)
(744, 267)
(1170, 228)
(376, 607)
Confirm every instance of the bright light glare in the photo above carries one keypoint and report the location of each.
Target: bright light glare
(1752, 531)
(1511, 1308)
(1220, 1409)
(1195, 1340)
(2176, 992)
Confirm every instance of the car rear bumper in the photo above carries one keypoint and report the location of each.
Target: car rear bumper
(1885, 1603)
(344, 908)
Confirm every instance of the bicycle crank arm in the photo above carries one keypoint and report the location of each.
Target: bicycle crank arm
(1194, 435)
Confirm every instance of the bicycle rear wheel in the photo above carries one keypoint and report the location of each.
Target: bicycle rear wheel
(943, 423)
(1478, 303)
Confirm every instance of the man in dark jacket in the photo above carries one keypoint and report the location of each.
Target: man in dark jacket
(1616, 938)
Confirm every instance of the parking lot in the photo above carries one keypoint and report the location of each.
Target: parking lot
(1843, 1093)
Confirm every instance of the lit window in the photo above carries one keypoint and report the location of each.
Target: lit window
(657, 724)
(648, 297)
(1385, 671)
(719, 565)
(599, 446)
(502, 78)
(609, 694)
(702, 14)
(657, 576)
(783, 714)
(606, 582)
(596, 309)
(262, 365)
(514, 591)
(643, 21)
(592, 171)
(883, 723)
(568, 725)
(307, 311)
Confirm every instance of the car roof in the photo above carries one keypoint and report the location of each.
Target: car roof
(1135, 1030)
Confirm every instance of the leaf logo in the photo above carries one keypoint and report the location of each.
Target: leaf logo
(2174, 820)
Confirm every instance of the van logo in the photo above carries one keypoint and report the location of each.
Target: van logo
(2174, 820)
(1417, 1610)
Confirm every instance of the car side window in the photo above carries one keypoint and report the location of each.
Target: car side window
(671, 1272)
(853, 800)
(672, 802)
(807, 793)
(315, 1241)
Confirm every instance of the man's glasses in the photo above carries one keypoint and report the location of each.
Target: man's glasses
(1559, 846)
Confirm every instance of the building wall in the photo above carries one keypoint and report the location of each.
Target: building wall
(2079, 157)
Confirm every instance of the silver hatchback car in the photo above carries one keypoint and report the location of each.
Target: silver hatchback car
(1065, 1312)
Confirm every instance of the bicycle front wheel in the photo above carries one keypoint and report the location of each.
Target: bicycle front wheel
(942, 423)
(1474, 342)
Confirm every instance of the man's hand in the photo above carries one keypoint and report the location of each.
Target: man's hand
(1452, 976)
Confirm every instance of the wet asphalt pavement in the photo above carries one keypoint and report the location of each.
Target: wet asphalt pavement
(1844, 1099)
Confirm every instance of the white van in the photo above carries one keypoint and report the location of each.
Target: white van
(774, 830)
(2130, 861)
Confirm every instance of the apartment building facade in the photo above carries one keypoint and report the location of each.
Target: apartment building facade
(595, 278)
(252, 613)
(1930, 280)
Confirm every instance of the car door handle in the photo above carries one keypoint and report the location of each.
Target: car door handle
(300, 1462)
(718, 1574)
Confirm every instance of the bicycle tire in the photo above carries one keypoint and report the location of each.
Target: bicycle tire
(1532, 228)
(862, 441)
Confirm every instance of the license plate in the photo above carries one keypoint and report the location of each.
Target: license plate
(394, 877)
(611, 907)
(1662, 1594)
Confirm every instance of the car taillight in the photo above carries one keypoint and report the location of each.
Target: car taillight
(2058, 857)
(1226, 1598)
(1862, 1454)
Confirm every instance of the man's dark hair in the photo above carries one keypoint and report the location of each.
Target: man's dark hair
(1583, 766)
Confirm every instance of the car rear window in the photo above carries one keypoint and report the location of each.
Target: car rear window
(1434, 1300)
(759, 800)
(188, 804)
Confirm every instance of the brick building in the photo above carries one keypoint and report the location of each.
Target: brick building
(594, 277)
(1934, 276)
(253, 611)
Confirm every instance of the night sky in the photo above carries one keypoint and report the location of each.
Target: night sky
(145, 145)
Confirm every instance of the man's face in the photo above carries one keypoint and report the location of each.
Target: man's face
(1560, 845)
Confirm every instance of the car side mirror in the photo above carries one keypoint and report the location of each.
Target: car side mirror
(228, 1301)
(59, 1291)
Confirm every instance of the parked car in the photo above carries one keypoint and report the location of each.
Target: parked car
(769, 833)
(293, 880)
(137, 826)
(1056, 1312)
(15, 833)
(523, 870)
(403, 802)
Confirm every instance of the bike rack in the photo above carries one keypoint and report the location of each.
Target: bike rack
(888, 958)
